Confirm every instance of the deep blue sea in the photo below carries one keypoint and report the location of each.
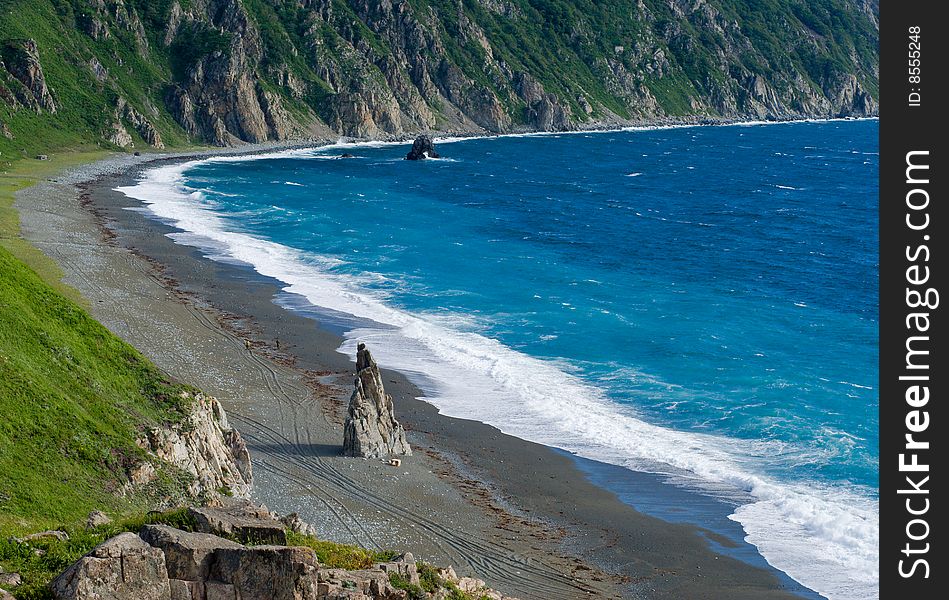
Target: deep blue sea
(699, 302)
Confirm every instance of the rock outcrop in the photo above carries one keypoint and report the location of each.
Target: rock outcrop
(371, 429)
(121, 568)
(220, 96)
(422, 148)
(205, 447)
(127, 113)
(24, 82)
(240, 520)
(164, 563)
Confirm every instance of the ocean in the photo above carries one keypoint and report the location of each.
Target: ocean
(694, 302)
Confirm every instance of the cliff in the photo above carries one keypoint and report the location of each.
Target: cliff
(211, 456)
(147, 72)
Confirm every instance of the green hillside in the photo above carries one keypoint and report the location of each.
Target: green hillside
(226, 71)
(73, 399)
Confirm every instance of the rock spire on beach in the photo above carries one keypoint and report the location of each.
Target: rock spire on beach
(371, 430)
(422, 148)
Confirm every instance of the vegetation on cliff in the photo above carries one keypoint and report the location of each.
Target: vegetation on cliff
(170, 72)
(73, 398)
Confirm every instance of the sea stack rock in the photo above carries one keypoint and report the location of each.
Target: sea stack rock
(371, 430)
(422, 148)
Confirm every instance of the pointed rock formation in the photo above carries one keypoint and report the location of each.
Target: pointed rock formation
(371, 430)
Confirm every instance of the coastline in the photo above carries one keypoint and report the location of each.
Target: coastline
(517, 503)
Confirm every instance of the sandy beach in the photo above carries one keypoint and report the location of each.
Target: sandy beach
(522, 516)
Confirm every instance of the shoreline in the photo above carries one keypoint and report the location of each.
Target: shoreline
(664, 565)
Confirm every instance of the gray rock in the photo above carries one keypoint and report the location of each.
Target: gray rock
(371, 430)
(186, 590)
(121, 568)
(61, 536)
(22, 60)
(422, 148)
(294, 523)
(206, 447)
(11, 580)
(188, 556)
(268, 572)
(245, 522)
(97, 518)
(168, 564)
(403, 566)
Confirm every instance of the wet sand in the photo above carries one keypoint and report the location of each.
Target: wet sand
(524, 517)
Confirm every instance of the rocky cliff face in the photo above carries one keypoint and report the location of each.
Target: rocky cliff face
(22, 82)
(234, 71)
(205, 447)
(218, 94)
(371, 430)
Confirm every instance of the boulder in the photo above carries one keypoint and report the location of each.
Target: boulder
(10, 580)
(268, 572)
(60, 536)
(121, 568)
(371, 430)
(422, 148)
(97, 518)
(188, 556)
(294, 523)
(242, 521)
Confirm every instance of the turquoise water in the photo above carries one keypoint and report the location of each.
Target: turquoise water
(697, 302)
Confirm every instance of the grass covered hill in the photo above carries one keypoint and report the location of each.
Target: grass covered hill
(168, 72)
(73, 400)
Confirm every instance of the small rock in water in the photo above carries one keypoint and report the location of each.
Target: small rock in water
(346, 155)
(422, 148)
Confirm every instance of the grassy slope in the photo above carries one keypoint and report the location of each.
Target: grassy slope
(85, 105)
(73, 399)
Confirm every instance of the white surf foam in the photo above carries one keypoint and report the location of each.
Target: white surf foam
(823, 536)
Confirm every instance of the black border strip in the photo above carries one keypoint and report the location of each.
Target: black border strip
(912, 271)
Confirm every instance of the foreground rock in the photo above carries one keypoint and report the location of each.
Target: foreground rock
(422, 148)
(163, 563)
(121, 568)
(371, 430)
(243, 521)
